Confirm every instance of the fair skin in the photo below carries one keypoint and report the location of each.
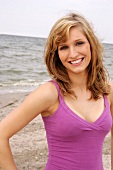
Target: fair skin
(75, 53)
(75, 56)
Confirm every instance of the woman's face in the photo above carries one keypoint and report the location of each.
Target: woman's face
(75, 53)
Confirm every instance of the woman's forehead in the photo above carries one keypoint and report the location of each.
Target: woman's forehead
(74, 34)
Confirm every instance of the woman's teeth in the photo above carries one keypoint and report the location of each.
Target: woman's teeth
(77, 61)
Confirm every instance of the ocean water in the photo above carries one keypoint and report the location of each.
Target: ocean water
(22, 67)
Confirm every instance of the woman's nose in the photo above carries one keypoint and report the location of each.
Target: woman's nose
(73, 53)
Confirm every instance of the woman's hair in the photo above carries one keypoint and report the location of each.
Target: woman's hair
(97, 81)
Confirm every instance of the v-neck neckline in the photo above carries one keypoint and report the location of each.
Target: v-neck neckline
(74, 114)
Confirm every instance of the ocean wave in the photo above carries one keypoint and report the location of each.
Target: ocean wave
(20, 86)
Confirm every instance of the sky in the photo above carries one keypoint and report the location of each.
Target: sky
(36, 17)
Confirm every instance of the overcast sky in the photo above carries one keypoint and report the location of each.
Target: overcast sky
(36, 17)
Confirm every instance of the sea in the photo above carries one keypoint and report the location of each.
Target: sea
(22, 67)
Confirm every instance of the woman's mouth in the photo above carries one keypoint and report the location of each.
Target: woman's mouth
(78, 61)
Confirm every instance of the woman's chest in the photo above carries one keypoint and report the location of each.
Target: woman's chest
(89, 110)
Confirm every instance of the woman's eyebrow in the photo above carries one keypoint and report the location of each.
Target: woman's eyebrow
(66, 43)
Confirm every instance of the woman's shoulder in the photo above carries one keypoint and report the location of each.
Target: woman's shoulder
(50, 95)
(42, 99)
(48, 90)
(49, 85)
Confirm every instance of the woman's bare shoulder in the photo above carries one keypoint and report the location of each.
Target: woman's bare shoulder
(48, 89)
(51, 94)
(47, 92)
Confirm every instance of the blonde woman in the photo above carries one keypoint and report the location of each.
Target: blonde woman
(76, 105)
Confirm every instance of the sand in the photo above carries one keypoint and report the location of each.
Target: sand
(29, 146)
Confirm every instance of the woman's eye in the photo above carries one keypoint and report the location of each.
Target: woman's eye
(79, 43)
(63, 47)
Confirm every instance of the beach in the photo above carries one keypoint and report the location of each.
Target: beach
(29, 146)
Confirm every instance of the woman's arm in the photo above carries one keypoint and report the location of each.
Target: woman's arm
(37, 102)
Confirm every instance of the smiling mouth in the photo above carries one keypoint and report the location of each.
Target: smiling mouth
(76, 61)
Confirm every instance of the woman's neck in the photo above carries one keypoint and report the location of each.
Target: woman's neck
(79, 82)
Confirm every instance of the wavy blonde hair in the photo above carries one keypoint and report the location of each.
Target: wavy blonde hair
(97, 81)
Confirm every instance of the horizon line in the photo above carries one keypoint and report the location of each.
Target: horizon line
(33, 36)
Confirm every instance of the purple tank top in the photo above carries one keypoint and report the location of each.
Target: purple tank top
(74, 143)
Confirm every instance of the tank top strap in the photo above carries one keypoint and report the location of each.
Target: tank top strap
(58, 88)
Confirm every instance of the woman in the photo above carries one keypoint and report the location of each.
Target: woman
(76, 105)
